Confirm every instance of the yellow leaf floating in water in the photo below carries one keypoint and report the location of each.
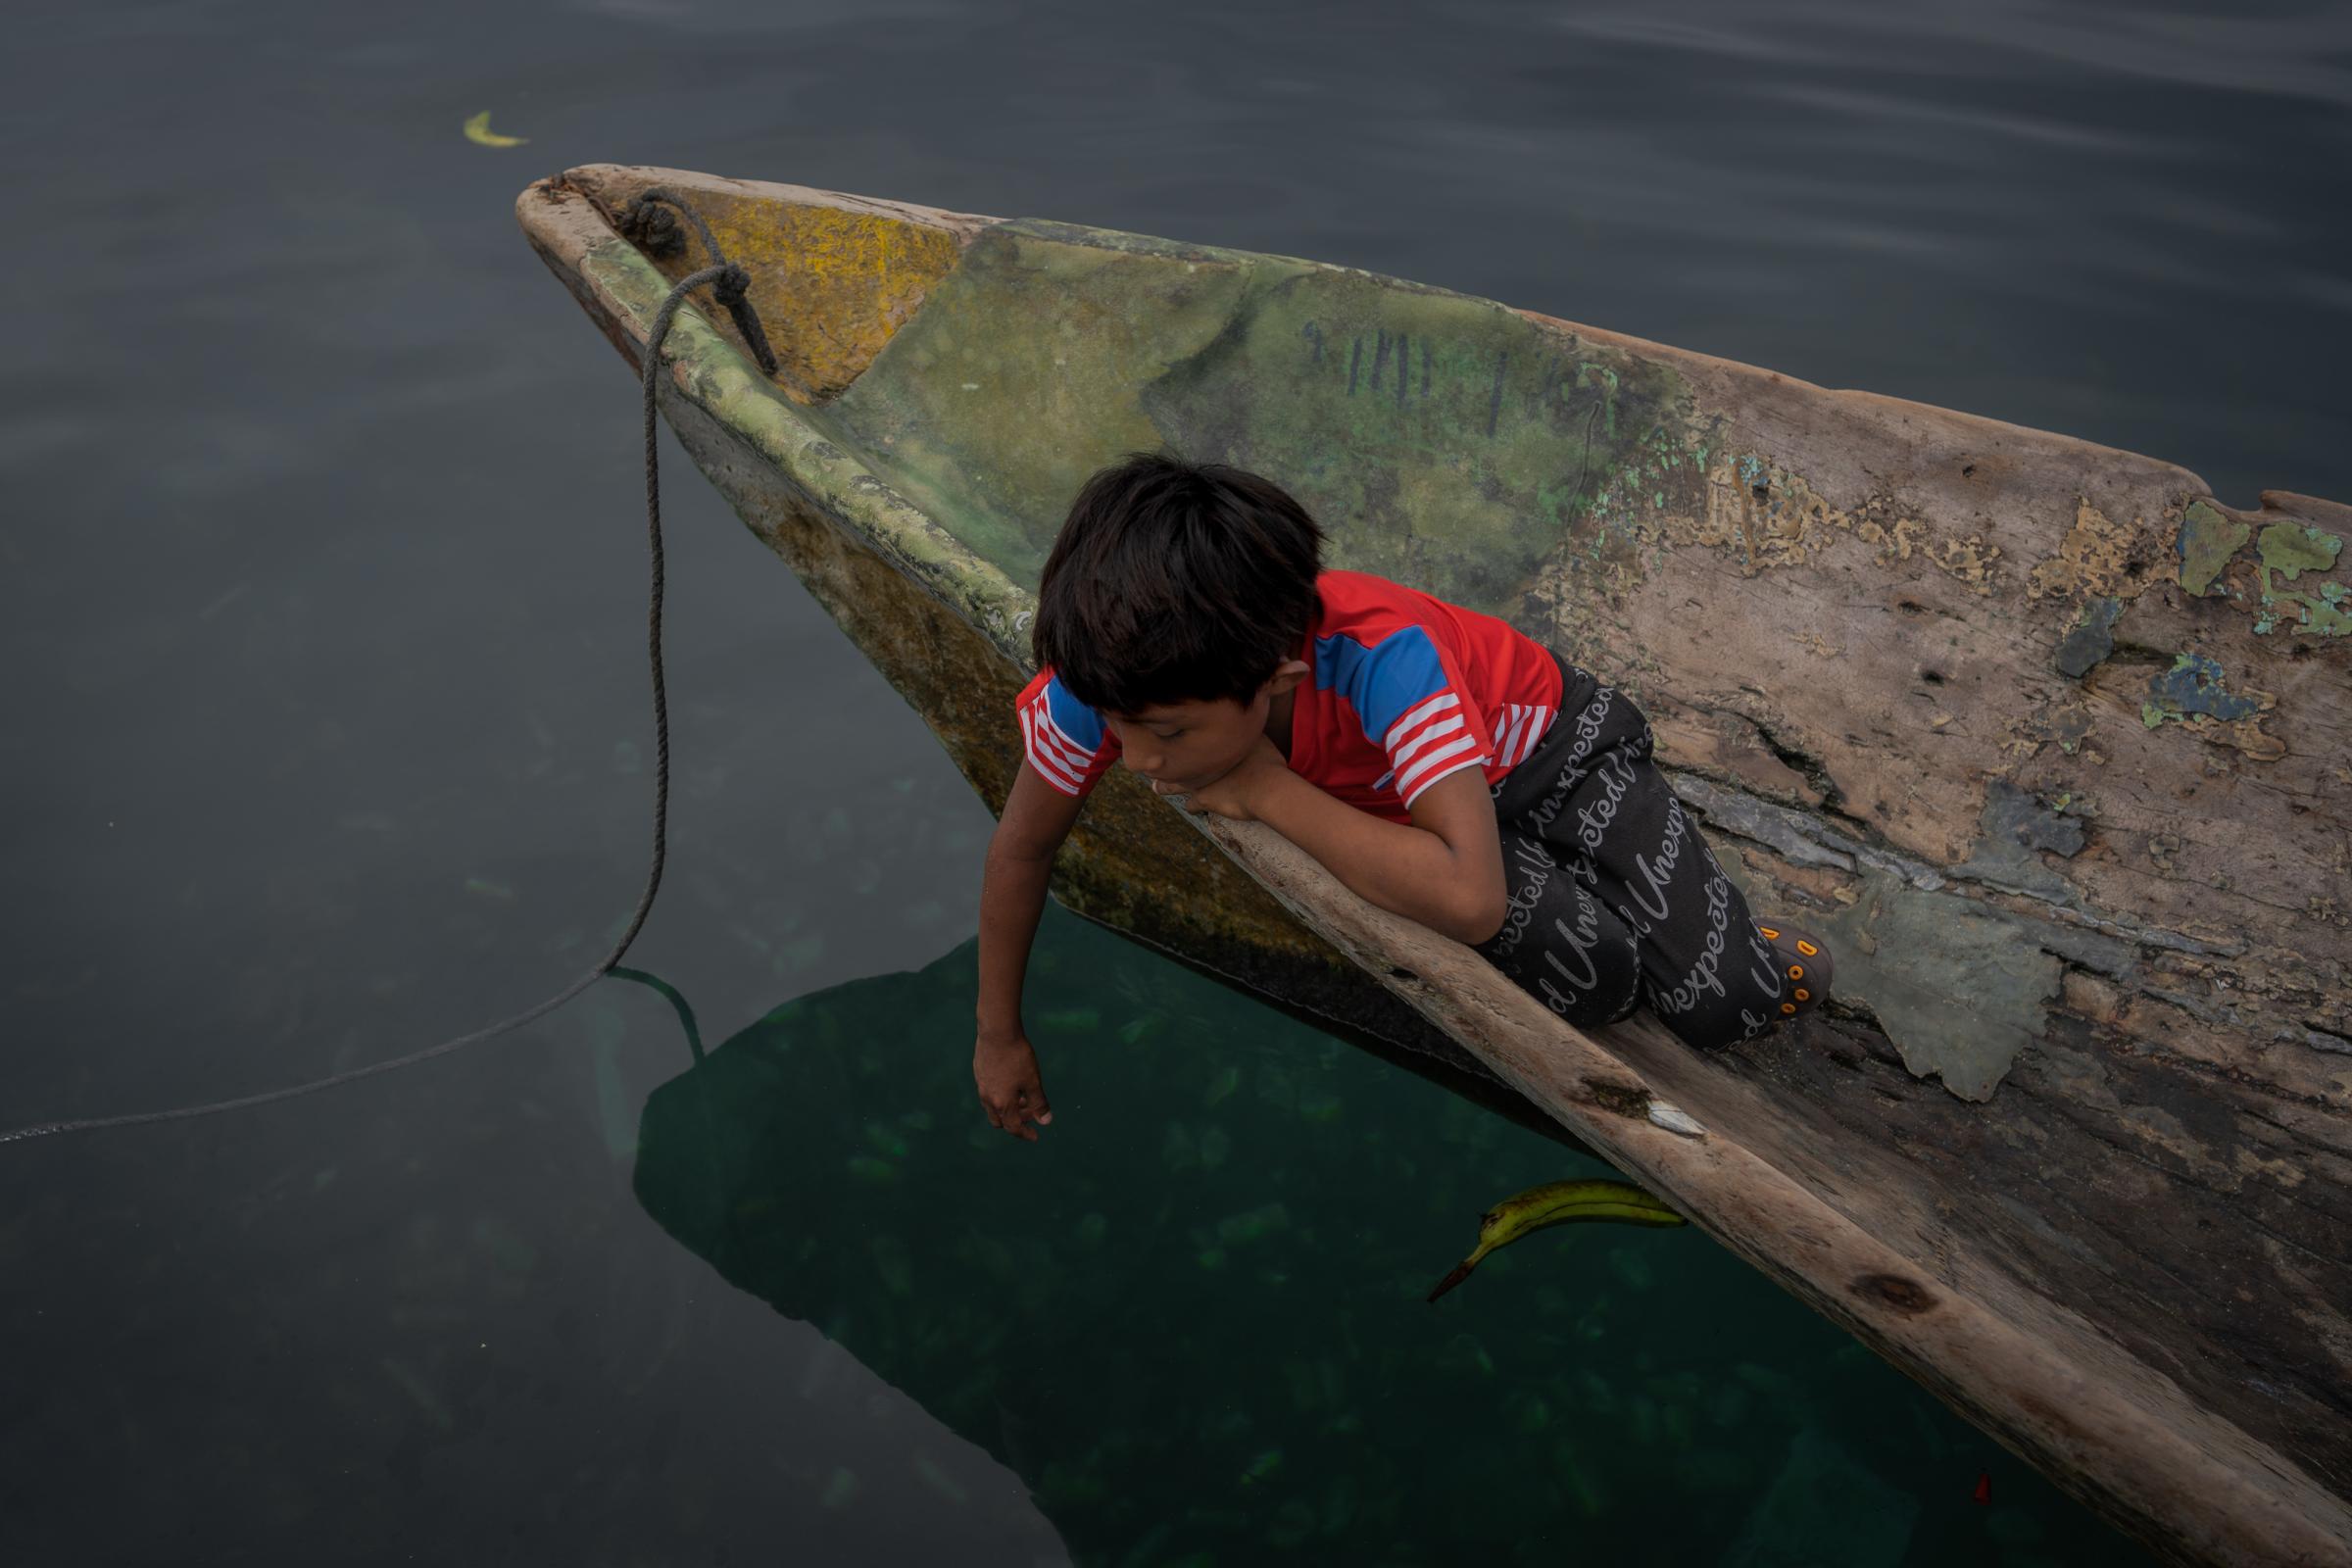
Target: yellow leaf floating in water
(477, 129)
(1562, 1203)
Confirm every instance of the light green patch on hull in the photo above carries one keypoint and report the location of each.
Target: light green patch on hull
(1905, 954)
(2290, 550)
(2324, 614)
(2208, 540)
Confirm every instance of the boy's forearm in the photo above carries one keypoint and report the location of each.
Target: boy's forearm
(1405, 869)
(1012, 899)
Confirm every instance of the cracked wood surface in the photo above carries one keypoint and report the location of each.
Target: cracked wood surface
(2051, 740)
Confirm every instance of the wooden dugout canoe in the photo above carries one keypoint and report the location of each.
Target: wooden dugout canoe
(2051, 740)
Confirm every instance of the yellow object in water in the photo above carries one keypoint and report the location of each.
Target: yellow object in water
(1558, 1203)
(477, 129)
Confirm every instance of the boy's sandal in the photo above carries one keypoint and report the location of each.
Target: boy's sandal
(1805, 966)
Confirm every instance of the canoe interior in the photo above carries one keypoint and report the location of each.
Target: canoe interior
(2050, 739)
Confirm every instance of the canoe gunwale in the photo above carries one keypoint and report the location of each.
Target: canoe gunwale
(2110, 1428)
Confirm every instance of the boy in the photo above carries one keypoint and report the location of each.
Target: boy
(1433, 760)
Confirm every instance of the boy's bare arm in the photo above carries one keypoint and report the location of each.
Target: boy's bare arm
(1445, 869)
(1012, 897)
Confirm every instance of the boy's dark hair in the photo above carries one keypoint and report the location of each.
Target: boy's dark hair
(1175, 581)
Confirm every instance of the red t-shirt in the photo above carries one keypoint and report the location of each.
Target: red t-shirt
(1406, 689)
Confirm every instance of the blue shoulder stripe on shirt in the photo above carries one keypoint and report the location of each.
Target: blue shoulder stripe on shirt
(1081, 723)
(1382, 682)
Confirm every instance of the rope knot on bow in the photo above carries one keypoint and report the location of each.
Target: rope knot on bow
(648, 222)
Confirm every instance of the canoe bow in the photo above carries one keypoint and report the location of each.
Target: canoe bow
(2051, 740)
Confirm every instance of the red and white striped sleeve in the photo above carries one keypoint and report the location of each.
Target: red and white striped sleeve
(1067, 741)
(1518, 726)
(1439, 737)
(1415, 705)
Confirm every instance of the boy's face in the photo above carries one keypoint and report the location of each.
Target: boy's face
(1198, 742)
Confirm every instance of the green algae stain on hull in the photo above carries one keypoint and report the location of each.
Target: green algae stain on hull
(2207, 542)
(2214, 564)
(1443, 440)
(2291, 552)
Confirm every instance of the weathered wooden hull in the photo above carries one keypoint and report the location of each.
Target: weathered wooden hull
(2051, 741)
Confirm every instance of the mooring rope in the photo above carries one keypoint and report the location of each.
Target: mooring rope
(730, 284)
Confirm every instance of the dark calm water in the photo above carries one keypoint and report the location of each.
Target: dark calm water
(325, 737)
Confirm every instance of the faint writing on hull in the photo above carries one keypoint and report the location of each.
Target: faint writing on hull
(1570, 394)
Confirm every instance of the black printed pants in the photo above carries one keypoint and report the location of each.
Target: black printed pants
(1614, 897)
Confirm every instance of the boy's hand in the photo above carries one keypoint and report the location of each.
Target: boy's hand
(1233, 793)
(1005, 1067)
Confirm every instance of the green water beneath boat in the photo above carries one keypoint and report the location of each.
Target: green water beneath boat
(1191, 1317)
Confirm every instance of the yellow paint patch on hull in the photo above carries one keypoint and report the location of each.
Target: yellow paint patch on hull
(832, 283)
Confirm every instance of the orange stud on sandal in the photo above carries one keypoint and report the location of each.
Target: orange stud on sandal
(1806, 963)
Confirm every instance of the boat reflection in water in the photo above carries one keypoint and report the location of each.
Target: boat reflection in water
(1191, 1319)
